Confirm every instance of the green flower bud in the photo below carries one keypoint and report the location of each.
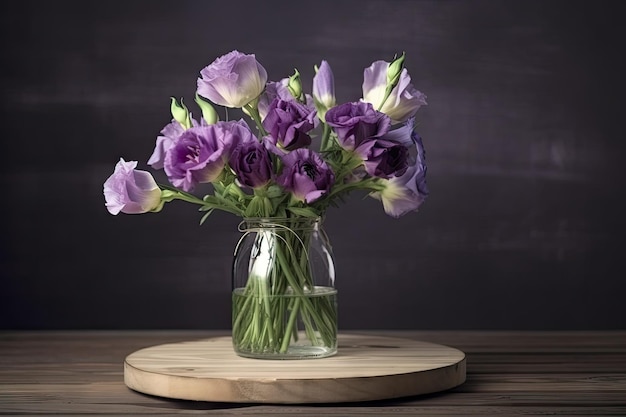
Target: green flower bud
(295, 85)
(180, 113)
(394, 71)
(208, 112)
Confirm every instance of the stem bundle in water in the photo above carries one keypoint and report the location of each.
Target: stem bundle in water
(280, 310)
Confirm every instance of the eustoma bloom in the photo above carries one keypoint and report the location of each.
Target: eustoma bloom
(306, 175)
(288, 123)
(201, 153)
(407, 192)
(232, 80)
(131, 191)
(324, 89)
(356, 125)
(169, 136)
(403, 101)
(251, 163)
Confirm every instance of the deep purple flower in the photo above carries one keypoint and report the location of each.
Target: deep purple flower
(356, 125)
(407, 192)
(288, 123)
(404, 100)
(306, 175)
(201, 153)
(131, 191)
(251, 163)
(232, 80)
(387, 159)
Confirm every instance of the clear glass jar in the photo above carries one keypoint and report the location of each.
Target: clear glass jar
(284, 302)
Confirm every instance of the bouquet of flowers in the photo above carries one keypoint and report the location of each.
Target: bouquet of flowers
(297, 155)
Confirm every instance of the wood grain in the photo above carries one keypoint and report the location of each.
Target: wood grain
(508, 374)
(366, 368)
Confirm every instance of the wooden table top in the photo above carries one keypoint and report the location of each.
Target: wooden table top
(508, 373)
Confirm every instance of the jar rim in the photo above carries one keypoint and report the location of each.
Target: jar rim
(301, 222)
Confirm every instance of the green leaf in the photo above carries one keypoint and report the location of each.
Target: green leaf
(255, 207)
(303, 211)
(207, 214)
(274, 191)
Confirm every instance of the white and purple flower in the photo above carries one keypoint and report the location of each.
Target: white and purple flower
(131, 191)
(232, 80)
(324, 89)
(404, 100)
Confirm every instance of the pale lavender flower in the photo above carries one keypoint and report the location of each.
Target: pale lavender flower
(357, 125)
(130, 191)
(288, 123)
(404, 100)
(324, 89)
(274, 90)
(251, 163)
(306, 175)
(407, 192)
(200, 154)
(232, 80)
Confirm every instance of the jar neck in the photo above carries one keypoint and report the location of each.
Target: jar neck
(296, 223)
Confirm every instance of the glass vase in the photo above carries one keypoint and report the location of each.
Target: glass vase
(284, 303)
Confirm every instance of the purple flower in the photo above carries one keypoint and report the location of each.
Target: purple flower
(389, 156)
(131, 191)
(404, 100)
(232, 80)
(407, 192)
(288, 122)
(387, 159)
(170, 134)
(251, 163)
(274, 90)
(201, 152)
(324, 89)
(306, 175)
(356, 125)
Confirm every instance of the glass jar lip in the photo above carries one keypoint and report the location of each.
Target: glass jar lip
(293, 223)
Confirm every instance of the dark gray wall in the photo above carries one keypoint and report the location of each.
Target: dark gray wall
(524, 228)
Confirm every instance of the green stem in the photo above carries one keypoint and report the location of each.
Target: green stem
(290, 324)
(253, 111)
(325, 136)
(388, 91)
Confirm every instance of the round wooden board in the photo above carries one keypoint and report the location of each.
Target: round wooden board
(365, 368)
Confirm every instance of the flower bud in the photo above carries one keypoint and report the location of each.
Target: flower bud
(208, 112)
(295, 85)
(180, 113)
(394, 71)
(323, 89)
